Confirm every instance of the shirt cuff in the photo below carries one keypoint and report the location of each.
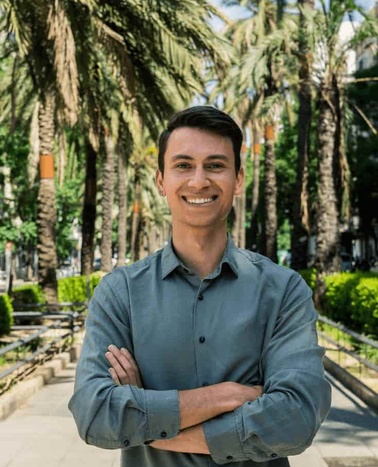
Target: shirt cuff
(223, 440)
(163, 414)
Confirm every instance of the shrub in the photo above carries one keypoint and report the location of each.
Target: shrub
(77, 288)
(72, 289)
(364, 305)
(337, 296)
(352, 299)
(309, 275)
(6, 315)
(94, 280)
(27, 294)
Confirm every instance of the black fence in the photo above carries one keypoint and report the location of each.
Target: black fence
(45, 331)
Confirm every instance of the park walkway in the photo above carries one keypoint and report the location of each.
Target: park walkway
(42, 433)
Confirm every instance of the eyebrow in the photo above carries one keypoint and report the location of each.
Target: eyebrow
(210, 157)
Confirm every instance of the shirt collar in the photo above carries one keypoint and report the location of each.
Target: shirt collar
(170, 261)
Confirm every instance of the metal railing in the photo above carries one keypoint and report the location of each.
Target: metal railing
(54, 332)
(356, 363)
(356, 337)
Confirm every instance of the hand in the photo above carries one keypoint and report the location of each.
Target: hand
(124, 369)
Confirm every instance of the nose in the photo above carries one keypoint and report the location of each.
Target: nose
(199, 179)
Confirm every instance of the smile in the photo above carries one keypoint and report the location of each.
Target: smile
(199, 200)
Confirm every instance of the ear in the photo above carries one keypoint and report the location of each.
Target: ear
(239, 183)
(160, 182)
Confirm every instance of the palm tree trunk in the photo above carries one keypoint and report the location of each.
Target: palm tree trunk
(341, 164)
(136, 219)
(89, 210)
(269, 231)
(144, 233)
(243, 202)
(46, 211)
(256, 151)
(122, 205)
(327, 219)
(300, 214)
(235, 233)
(62, 145)
(107, 203)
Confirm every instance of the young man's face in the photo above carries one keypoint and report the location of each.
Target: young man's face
(199, 177)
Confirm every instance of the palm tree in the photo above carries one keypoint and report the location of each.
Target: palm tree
(263, 40)
(332, 163)
(43, 35)
(300, 212)
(46, 217)
(149, 209)
(154, 63)
(89, 208)
(158, 50)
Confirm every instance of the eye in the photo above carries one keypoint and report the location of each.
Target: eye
(215, 165)
(182, 165)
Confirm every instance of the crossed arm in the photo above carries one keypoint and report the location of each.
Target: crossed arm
(196, 405)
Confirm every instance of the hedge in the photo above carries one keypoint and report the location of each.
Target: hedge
(351, 298)
(364, 305)
(28, 294)
(6, 315)
(74, 289)
(70, 289)
(309, 275)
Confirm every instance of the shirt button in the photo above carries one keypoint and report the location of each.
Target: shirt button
(163, 434)
(273, 455)
(229, 457)
(200, 297)
(126, 442)
(202, 340)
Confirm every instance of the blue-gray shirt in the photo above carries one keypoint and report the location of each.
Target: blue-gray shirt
(250, 321)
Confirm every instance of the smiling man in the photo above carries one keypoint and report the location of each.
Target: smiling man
(212, 349)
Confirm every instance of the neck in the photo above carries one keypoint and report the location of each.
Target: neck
(200, 250)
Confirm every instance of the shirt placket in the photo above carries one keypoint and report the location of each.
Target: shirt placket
(202, 334)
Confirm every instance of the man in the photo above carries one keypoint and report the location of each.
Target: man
(202, 326)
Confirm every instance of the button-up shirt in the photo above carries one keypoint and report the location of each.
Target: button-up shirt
(250, 321)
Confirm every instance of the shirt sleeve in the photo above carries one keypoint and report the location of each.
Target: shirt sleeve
(297, 397)
(107, 415)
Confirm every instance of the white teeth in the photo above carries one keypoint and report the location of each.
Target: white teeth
(200, 200)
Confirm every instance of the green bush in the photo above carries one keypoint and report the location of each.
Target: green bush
(352, 299)
(75, 289)
(309, 275)
(337, 296)
(28, 294)
(94, 280)
(6, 315)
(364, 305)
(72, 289)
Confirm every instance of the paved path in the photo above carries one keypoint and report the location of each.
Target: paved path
(42, 434)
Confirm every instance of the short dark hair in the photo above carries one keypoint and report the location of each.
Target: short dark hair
(205, 118)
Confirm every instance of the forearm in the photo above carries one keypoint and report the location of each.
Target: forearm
(202, 404)
(192, 440)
